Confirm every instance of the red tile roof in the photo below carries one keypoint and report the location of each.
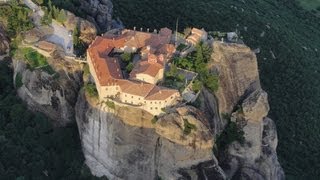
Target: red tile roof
(160, 93)
(144, 67)
(108, 69)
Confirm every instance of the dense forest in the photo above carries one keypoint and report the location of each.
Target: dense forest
(288, 37)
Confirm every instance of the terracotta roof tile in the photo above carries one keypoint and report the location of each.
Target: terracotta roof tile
(108, 70)
(161, 93)
(45, 45)
(138, 88)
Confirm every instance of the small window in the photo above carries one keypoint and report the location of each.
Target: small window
(126, 101)
(139, 98)
(106, 89)
(151, 108)
(145, 102)
(116, 88)
(156, 108)
(165, 101)
(131, 102)
(150, 102)
(155, 102)
(159, 102)
(171, 97)
(131, 96)
(125, 95)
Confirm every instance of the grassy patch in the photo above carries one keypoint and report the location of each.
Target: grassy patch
(86, 70)
(111, 104)
(91, 90)
(34, 59)
(188, 127)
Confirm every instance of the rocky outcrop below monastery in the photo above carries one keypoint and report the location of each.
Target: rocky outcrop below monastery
(121, 151)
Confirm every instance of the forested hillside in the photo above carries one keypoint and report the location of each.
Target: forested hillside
(289, 62)
(30, 148)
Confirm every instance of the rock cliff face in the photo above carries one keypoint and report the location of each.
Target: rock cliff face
(87, 30)
(99, 12)
(238, 73)
(54, 95)
(121, 151)
(241, 96)
(4, 43)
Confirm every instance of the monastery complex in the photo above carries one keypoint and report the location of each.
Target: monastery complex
(140, 89)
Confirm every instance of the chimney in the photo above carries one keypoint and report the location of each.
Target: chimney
(134, 28)
(160, 92)
(155, 31)
(141, 29)
(148, 29)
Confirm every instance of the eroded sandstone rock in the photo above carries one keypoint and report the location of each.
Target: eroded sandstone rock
(4, 43)
(99, 11)
(87, 30)
(121, 151)
(55, 95)
(238, 73)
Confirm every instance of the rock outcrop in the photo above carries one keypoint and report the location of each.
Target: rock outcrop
(55, 95)
(87, 30)
(256, 157)
(4, 43)
(122, 143)
(99, 12)
(240, 95)
(120, 151)
(238, 73)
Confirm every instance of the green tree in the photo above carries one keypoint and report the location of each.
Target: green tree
(212, 82)
(129, 67)
(75, 36)
(62, 16)
(18, 80)
(39, 2)
(126, 57)
(47, 17)
(196, 85)
(91, 90)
